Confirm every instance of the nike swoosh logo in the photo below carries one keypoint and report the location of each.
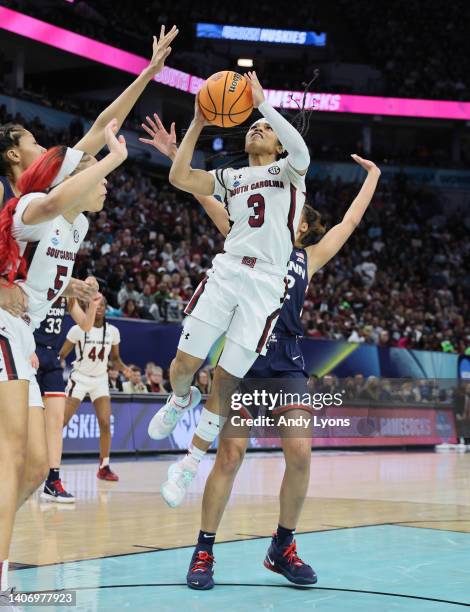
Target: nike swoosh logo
(269, 559)
(298, 357)
(194, 581)
(208, 536)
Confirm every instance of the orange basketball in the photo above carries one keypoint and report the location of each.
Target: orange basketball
(225, 99)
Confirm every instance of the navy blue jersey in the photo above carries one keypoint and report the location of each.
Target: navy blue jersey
(7, 191)
(289, 321)
(48, 333)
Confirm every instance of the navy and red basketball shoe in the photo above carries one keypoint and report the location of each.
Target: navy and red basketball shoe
(286, 561)
(201, 571)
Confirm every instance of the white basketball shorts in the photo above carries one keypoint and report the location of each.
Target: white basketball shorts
(241, 296)
(79, 385)
(16, 349)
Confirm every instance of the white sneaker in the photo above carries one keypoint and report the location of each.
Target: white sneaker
(180, 477)
(166, 419)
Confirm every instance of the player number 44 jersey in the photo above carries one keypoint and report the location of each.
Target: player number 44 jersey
(264, 204)
(92, 348)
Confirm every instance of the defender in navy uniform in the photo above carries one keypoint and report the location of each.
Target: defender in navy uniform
(51, 383)
(283, 360)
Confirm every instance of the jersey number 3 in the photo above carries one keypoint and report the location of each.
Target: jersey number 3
(58, 283)
(256, 202)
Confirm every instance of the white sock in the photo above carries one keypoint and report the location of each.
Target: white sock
(194, 456)
(4, 575)
(183, 400)
(104, 462)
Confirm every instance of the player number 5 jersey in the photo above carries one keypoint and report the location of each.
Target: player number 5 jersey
(50, 249)
(92, 348)
(264, 204)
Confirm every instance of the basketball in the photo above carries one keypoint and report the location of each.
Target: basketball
(225, 99)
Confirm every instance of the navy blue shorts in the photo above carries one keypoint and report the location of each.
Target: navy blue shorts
(281, 371)
(50, 374)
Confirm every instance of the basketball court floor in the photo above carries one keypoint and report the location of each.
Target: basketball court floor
(384, 531)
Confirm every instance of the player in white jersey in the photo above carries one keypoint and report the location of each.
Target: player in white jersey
(89, 376)
(243, 292)
(40, 234)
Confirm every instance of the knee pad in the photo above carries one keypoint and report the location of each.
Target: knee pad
(210, 425)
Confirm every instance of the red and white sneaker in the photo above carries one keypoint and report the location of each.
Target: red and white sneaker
(106, 473)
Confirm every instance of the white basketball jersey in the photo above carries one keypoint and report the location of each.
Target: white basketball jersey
(264, 204)
(50, 249)
(92, 348)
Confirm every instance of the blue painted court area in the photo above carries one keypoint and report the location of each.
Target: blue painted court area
(384, 568)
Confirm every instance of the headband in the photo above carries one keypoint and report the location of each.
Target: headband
(71, 160)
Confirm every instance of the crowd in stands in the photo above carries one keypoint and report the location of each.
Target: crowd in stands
(402, 280)
(353, 388)
(420, 53)
(152, 380)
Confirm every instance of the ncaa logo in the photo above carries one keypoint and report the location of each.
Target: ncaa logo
(274, 170)
(55, 241)
(76, 236)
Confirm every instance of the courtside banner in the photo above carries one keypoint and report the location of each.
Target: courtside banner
(83, 46)
(346, 426)
(82, 432)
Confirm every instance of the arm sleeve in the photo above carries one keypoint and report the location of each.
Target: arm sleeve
(292, 141)
(222, 178)
(23, 232)
(74, 334)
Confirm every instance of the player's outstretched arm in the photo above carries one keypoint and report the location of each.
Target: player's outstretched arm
(321, 253)
(93, 141)
(82, 290)
(216, 212)
(165, 142)
(85, 319)
(291, 140)
(182, 176)
(67, 196)
(115, 357)
(66, 349)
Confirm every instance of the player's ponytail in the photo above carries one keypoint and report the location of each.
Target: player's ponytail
(10, 134)
(38, 177)
(315, 228)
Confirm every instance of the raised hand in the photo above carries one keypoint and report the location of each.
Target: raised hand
(116, 146)
(161, 50)
(163, 141)
(93, 283)
(198, 116)
(368, 165)
(256, 89)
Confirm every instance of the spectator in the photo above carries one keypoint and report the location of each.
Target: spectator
(408, 393)
(371, 391)
(130, 310)
(204, 381)
(155, 382)
(114, 378)
(128, 292)
(134, 384)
